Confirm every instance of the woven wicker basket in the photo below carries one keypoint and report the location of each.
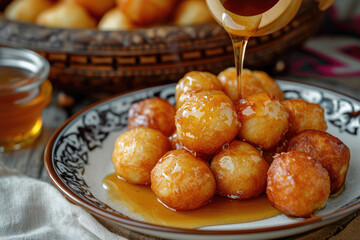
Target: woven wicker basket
(92, 61)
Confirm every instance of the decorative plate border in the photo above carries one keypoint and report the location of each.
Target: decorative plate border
(69, 155)
(70, 152)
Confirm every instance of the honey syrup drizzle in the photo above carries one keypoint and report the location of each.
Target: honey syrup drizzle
(241, 20)
(141, 201)
(239, 45)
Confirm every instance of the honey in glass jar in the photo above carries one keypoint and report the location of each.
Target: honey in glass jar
(24, 93)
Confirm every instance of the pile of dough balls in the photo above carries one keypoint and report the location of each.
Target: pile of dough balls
(239, 147)
(108, 14)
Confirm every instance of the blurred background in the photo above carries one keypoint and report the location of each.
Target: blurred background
(101, 48)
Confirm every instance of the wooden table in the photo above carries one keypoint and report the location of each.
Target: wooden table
(29, 161)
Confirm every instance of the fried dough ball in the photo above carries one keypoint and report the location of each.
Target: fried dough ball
(269, 84)
(252, 81)
(185, 97)
(196, 81)
(330, 151)
(192, 12)
(269, 154)
(176, 144)
(115, 20)
(206, 122)
(182, 181)
(146, 12)
(66, 14)
(136, 152)
(156, 113)
(264, 120)
(240, 171)
(297, 185)
(95, 7)
(175, 141)
(26, 10)
(251, 85)
(304, 115)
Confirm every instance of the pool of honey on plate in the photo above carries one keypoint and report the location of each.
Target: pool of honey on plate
(141, 201)
(20, 111)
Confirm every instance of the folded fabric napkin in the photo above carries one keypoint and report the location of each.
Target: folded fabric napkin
(32, 209)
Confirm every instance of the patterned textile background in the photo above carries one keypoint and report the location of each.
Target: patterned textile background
(335, 51)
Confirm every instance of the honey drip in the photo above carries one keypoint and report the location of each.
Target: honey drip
(239, 45)
(241, 19)
(141, 201)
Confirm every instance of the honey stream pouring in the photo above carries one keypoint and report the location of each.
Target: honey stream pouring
(243, 19)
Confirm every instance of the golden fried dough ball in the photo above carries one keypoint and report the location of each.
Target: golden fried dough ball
(330, 151)
(146, 12)
(66, 14)
(206, 122)
(26, 10)
(297, 185)
(176, 144)
(156, 113)
(304, 115)
(96, 7)
(264, 120)
(251, 85)
(269, 154)
(175, 141)
(196, 81)
(269, 84)
(185, 97)
(136, 152)
(182, 181)
(115, 20)
(192, 12)
(240, 171)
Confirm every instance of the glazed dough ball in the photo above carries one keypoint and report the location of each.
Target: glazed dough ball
(269, 84)
(26, 10)
(136, 152)
(251, 85)
(176, 144)
(264, 120)
(269, 154)
(330, 151)
(96, 7)
(115, 20)
(156, 113)
(297, 185)
(304, 115)
(196, 81)
(67, 15)
(192, 12)
(182, 181)
(146, 12)
(175, 141)
(206, 122)
(185, 97)
(240, 171)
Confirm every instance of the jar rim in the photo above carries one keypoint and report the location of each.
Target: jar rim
(27, 60)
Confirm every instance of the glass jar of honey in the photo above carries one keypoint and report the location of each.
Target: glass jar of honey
(24, 93)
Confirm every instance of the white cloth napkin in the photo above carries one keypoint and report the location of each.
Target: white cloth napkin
(31, 209)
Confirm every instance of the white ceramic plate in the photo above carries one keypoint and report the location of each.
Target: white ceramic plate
(78, 157)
